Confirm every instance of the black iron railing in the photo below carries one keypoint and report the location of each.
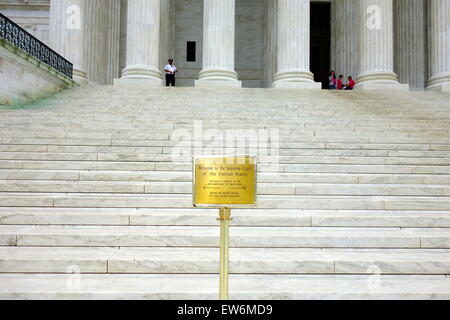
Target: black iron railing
(20, 38)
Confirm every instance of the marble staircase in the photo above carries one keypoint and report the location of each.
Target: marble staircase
(356, 205)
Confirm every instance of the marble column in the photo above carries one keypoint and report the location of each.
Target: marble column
(167, 41)
(218, 45)
(376, 46)
(143, 39)
(344, 52)
(95, 53)
(293, 45)
(439, 45)
(411, 42)
(113, 59)
(67, 34)
(101, 52)
(270, 41)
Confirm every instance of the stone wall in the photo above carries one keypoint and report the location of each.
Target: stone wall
(32, 15)
(23, 78)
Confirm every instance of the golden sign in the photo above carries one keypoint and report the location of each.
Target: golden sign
(224, 181)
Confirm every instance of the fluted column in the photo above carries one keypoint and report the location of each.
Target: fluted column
(376, 46)
(411, 42)
(293, 45)
(67, 34)
(218, 44)
(167, 32)
(112, 64)
(95, 54)
(143, 40)
(439, 45)
(270, 51)
(344, 53)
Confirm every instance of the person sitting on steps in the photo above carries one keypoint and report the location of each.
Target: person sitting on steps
(350, 85)
(340, 82)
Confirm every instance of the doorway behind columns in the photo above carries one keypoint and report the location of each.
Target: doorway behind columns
(255, 41)
(320, 60)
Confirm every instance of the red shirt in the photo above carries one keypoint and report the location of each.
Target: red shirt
(351, 83)
(339, 84)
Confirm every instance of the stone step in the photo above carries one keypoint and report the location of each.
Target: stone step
(208, 217)
(136, 260)
(153, 151)
(241, 287)
(301, 138)
(242, 237)
(186, 188)
(123, 200)
(167, 136)
(166, 115)
(263, 177)
(187, 167)
(264, 158)
(285, 137)
(157, 139)
(112, 129)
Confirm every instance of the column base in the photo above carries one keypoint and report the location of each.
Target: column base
(381, 86)
(80, 77)
(140, 75)
(444, 87)
(439, 83)
(380, 81)
(295, 79)
(218, 78)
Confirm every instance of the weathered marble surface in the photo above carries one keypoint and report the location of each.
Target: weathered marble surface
(32, 15)
(206, 287)
(439, 45)
(240, 236)
(25, 79)
(410, 40)
(76, 175)
(376, 46)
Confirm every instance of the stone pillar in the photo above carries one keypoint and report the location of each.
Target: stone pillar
(143, 39)
(113, 60)
(270, 41)
(167, 41)
(218, 45)
(95, 54)
(123, 35)
(344, 52)
(376, 46)
(411, 42)
(102, 25)
(67, 34)
(439, 45)
(293, 45)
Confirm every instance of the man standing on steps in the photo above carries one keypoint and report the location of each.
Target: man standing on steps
(170, 71)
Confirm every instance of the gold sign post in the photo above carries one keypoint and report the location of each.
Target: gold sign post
(224, 183)
(225, 218)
